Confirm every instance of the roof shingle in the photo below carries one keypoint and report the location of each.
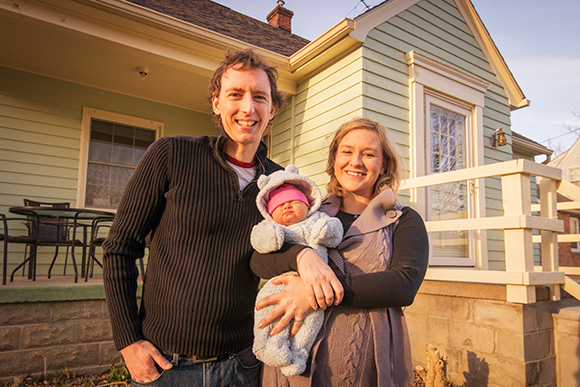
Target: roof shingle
(225, 21)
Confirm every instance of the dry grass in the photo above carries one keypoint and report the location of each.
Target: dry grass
(117, 375)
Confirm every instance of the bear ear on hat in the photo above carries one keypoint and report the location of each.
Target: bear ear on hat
(291, 168)
(262, 181)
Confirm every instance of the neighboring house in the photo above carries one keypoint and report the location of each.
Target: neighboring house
(569, 253)
(86, 85)
(569, 163)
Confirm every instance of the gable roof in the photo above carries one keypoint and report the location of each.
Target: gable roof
(223, 20)
(561, 160)
(350, 32)
(528, 146)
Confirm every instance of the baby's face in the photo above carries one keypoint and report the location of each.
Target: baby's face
(290, 212)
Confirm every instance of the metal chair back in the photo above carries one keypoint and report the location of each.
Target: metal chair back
(50, 229)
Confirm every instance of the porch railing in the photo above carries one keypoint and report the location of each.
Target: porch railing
(520, 275)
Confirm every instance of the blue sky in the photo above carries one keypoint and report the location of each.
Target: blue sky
(538, 39)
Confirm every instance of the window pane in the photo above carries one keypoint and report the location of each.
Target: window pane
(435, 166)
(444, 167)
(116, 194)
(574, 230)
(443, 124)
(124, 135)
(98, 196)
(122, 155)
(435, 126)
(574, 174)
(452, 163)
(98, 174)
(101, 131)
(143, 138)
(137, 154)
(435, 146)
(97, 191)
(100, 151)
(120, 176)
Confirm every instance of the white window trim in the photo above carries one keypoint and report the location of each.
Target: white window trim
(428, 77)
(574, 231)
(569, 174)
(90, 113)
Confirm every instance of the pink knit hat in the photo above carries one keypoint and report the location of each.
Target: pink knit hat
(285, 193)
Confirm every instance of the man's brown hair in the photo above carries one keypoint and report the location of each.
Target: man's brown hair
(247, 59)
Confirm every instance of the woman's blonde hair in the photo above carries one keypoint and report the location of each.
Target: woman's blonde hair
(392, 159)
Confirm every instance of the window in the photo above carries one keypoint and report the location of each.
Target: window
(267, 139)
(112, 146)
(447, 135)
(575, 176)
(574, 230)
(446, 149)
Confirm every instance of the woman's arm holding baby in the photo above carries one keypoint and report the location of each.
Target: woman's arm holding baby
(322, 286)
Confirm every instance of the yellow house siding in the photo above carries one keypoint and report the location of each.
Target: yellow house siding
(435, 29)
(40, 129)
(323, 102)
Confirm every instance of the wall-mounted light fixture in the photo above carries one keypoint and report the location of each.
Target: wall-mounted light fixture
(143, 71)
(498, 138)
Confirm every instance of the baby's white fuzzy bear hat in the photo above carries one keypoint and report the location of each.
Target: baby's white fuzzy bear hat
(289, 175)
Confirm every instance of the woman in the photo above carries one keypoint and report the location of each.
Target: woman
(380, 263)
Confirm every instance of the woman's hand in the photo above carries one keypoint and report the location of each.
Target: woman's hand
(322, 287)
(292, 303)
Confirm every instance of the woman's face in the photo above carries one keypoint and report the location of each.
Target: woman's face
(358, 162)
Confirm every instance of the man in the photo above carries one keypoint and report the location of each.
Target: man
(196, 195)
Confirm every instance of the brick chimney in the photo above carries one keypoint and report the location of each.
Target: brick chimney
(281, 17)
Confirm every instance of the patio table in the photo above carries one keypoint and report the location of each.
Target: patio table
(81, 217)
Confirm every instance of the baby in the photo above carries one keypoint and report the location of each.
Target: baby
(289, 203)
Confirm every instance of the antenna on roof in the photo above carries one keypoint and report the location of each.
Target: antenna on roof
(354, 11)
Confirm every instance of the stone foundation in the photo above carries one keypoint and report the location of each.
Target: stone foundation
(53, 328)
(489, 341)
(567, 342)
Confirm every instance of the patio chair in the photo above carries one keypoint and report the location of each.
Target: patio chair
(52, 231)
(97, 239)
(7, 237)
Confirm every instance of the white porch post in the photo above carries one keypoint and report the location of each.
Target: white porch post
(549, 246)
(519, 255)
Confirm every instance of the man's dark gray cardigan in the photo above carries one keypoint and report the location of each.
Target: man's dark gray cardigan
(199, 294)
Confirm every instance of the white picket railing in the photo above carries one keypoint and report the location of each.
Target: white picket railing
(520, 276)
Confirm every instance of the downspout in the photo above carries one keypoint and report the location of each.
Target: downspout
(292, 128)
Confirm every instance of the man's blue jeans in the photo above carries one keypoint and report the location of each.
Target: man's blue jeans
(239, 369)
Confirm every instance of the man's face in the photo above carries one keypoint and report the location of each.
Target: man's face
(244, 105)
